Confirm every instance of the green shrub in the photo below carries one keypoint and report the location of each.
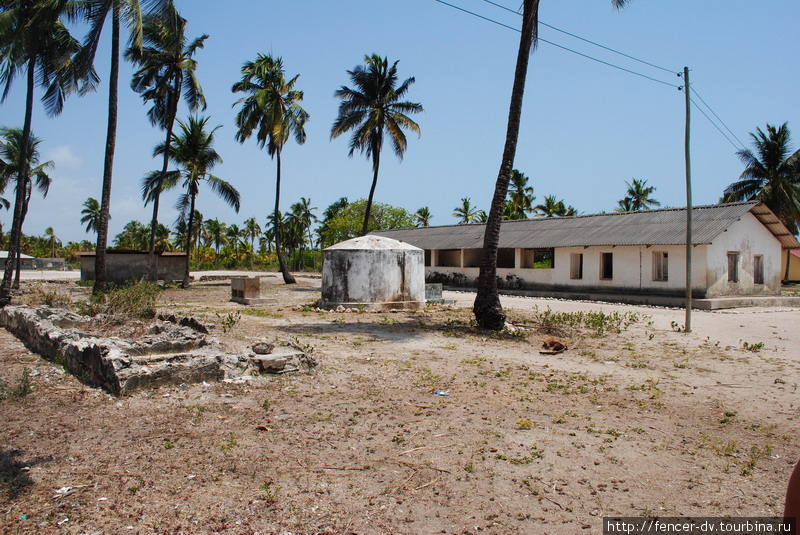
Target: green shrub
(135, 300)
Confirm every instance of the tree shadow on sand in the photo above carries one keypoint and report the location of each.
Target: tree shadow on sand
(15, 473)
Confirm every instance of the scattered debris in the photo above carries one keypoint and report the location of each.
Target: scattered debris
(551, 346)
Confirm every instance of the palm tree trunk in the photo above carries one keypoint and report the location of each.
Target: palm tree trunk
(189, 241)
(151, 263)
(487, 308)
(18, 260)
(22, 179)
(287, 276)
(376, 162)
(100, 275)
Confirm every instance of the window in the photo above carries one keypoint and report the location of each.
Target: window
(449, 258)
(538, 258)
(758, 269)
(576, 266)
(506, 258)
(733, 267)
(427, 258)
(606, 266)
(660, 266)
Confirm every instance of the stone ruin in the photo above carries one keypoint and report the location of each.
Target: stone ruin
(247, 291)
(173, 351)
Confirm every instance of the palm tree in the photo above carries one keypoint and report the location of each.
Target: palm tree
(466, 212)
(90, 215)
(193, 151)
(34, 39)
(216, 231)
(372, 108)
(488, 311)
(96, 12)
(50, 234)
(423, 217)
(233, 235)
(551, 207)
(639, 194)
(771, 176)
(166, 71)
(624, 205)
(272, 108)
(520, 195)
(11, 143)
(252, 230)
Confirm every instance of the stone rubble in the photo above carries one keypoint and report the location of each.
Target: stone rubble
(174, 351)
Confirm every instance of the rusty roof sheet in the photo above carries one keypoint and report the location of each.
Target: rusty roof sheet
(649, 227)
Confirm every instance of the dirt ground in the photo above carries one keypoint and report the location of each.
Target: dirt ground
(415, 423)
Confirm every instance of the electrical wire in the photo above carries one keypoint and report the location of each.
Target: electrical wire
(693, 90)
(713, 123)
(672, 71)
(561, 46)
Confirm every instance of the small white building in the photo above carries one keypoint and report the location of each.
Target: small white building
(633, 256)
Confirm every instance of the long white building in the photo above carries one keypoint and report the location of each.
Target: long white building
(736, 252)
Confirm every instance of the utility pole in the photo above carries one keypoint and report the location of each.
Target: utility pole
(688, 322)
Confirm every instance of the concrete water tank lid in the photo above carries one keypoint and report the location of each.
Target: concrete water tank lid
(371, 242)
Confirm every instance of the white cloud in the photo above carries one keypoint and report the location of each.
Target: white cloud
(64, 158)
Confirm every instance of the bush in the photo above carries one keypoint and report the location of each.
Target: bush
(135, 300)
(43, 295)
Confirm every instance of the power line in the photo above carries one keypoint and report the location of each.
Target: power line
(672, 71)
(718, 117)
(713, 123)
(561, 46)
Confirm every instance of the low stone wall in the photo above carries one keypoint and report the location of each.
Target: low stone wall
(122, 267)
(169, 354)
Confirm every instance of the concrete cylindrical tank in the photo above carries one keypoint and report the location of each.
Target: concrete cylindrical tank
(375, 273)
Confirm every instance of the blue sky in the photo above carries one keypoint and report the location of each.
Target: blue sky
(586, 128)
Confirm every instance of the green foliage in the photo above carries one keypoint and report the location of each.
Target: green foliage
(755, 347)
(229, 320)
(598, 322)
(348, 221)
(135, 300)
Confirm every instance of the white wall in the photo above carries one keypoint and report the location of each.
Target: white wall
(748, 237)
(633, 269)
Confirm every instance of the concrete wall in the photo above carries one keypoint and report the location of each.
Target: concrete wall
(749, 238)
(124, 267)
(375, 278)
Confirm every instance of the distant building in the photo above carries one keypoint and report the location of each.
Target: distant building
(26, 262)
(794, 265)
(124, 266)
(629, 256)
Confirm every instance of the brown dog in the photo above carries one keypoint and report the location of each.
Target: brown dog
(792, 509)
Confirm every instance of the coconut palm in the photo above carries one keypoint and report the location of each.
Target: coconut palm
(90, 215)
(272, 110)
(466, 212)
(639, 194)
(192, 150)
(129, 13)
(33, 39)
(423, 217)
(521, 197)
(488, 311)
(771, 176)
(11, 143)
(216, 231)
(50, 235)
(166, 71)
(373, 108)
(624, 205)
(551, 207)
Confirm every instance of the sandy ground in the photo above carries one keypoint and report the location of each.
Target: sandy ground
(647, 421)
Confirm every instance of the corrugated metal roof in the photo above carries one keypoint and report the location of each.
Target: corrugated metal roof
(649, 227)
